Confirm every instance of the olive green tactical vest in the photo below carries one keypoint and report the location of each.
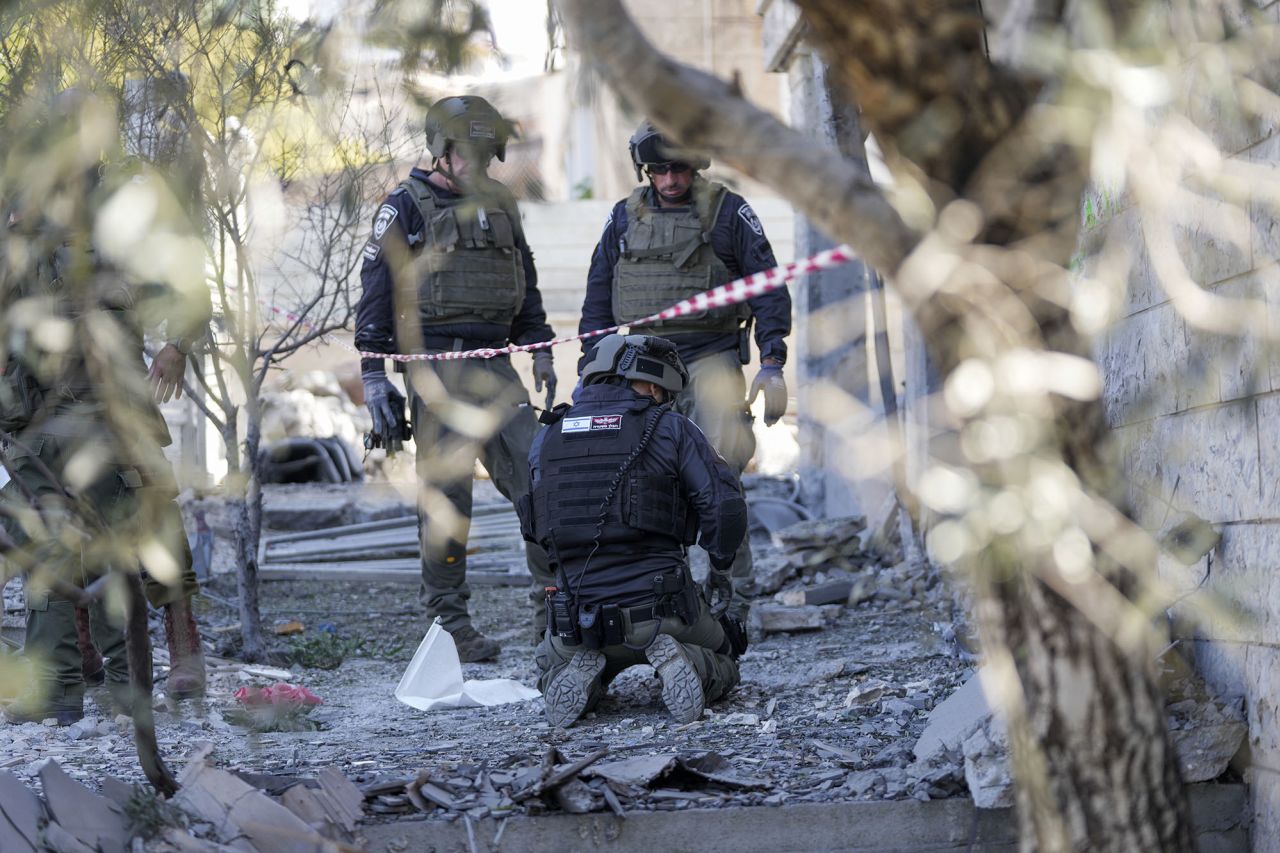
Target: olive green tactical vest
(667, 256)
(469, 268)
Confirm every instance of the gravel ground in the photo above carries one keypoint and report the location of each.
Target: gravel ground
(786, 725)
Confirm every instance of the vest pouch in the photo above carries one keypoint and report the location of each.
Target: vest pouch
(655, 503)
(440, 232)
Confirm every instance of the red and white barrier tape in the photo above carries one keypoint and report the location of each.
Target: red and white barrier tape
(723, 296)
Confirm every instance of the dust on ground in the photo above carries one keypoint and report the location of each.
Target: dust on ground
(787, 724)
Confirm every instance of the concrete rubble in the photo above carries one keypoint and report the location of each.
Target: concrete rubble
(827, 713)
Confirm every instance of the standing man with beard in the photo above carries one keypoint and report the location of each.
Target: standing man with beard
(446, 270)
(675, 237)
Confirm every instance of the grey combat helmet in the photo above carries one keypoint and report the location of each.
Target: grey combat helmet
(467, 120)
(648, 358)
(649, 147)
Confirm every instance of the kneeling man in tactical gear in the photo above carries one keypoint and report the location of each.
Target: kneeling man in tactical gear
(622, 485)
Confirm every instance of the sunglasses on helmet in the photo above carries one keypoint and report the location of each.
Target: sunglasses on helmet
(664, 168)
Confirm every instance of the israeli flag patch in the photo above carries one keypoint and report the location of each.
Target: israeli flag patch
(749, 216)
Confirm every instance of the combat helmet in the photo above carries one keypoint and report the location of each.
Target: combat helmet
(467, 120)
(650, 147)
(648, 358)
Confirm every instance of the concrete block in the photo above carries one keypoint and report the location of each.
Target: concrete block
(1115, 250)
(1210, 103)
(1222, 665)
(1244, 583)
(1152, 365)
(1263, 708)
(1268, 414)
(954, 719)
(1212, 456)
(1235, 364)
(1264, 216)
(1213, 239)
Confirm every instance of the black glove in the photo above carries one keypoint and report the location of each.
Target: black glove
(544, 372)
(386, 409)
(770, 380)
(719, 590)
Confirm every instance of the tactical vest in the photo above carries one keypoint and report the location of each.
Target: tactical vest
(666, 256)
(582, 455)
(469, 268)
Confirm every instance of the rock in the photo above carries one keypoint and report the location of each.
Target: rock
(1206, 739)
(986, 766)
(775, 618)
(835, 592)
(898, 707)
(953, 720)
(865, 693)
(861, 782)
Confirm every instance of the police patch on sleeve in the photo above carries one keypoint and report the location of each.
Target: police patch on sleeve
(749, 216)
(386, 215)
(371, 250)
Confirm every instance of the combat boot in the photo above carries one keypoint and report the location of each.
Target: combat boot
(473, 646)
(574, 689)
(90, 657)
(186, 657)
(681, 686)
(65, 705)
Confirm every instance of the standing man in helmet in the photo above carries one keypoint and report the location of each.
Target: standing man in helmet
(674, 237)
(448, 269)
(622, 484)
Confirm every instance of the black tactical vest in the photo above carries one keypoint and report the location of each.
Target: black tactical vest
(469, 268)
(666, 256)
(582, 457)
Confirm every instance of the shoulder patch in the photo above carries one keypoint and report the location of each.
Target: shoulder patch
(749, 216)
(371, 250)
(386, 215)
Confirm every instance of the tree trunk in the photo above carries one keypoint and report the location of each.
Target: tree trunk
(1074, 657)
(245, 505)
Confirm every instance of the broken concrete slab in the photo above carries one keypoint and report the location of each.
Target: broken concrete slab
(236, 808)
(834, 592)
(641, 770)
(1206, 746)
(91, 818)
(20, 815)
(986, 765)
(776, 618)
(953, 720)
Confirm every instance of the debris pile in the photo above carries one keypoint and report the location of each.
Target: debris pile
(527, 785)
(214, 807)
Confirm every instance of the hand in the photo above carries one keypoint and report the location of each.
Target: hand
(544, 372)
(719, 589)
(167, 369)
(385, 404)
(770, 380)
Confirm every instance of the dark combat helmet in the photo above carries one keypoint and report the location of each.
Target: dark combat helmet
(645, 357)
(650, 148)
(469, 121)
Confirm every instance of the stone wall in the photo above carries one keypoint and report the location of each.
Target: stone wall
(1197, 415)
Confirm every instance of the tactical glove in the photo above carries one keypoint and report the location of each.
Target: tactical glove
(770, 380)
(544, 372)
(719, 589)
(386, 408)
